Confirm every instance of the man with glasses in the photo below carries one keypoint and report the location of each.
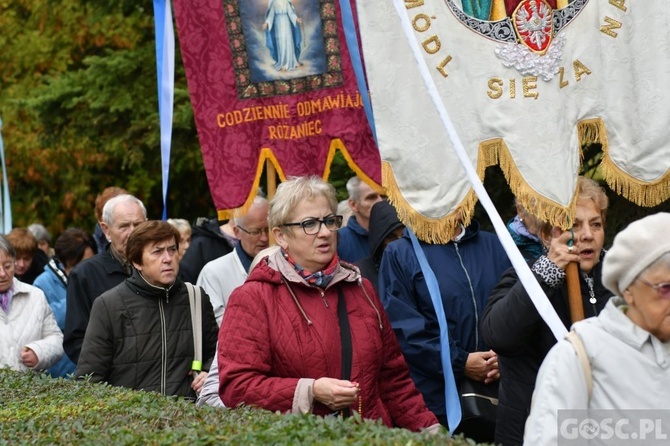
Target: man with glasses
(221, 276)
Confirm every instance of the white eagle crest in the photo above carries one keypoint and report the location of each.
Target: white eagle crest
(533, 25)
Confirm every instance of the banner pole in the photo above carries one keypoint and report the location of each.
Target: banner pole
(271, 182)
(271, 178)
(574, 292)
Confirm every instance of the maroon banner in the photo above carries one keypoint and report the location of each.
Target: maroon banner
(271, 79)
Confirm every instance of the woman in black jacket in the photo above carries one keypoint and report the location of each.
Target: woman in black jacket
(513, 328)
(140, 332)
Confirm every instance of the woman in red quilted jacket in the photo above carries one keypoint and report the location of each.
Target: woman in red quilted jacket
(284, 331)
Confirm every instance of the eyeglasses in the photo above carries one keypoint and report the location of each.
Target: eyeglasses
(312, 226)
(255, 232)
(8, 267)
(663, 289)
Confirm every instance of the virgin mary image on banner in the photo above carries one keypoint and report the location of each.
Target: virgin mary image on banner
(284, 38)
(282, 34)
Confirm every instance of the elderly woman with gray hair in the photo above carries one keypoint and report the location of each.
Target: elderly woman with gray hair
(619, 360)
(305, 333)
(29, 334)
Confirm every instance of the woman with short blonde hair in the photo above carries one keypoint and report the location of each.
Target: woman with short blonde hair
(305, 333)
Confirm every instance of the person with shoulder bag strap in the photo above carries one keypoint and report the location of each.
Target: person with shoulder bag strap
(195, 301)
(576, 341)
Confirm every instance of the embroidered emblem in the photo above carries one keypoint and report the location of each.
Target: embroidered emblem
(530, 40)
(533, 24)
(530, 63)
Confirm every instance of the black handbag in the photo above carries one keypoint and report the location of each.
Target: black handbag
(479, 404)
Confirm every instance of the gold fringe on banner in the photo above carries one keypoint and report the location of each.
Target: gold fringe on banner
(495, 152)
(642, 193)
(538, 205)
(591, 131)
(430, 230)
(441, 230)
(647, 194)
(266, 154)
(492, 152)
(337, 144)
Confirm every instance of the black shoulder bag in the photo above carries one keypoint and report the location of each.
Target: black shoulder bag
(345, 338)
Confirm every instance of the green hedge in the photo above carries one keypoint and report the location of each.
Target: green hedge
(36, 409)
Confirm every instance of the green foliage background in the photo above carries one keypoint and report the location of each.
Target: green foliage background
(78, 99)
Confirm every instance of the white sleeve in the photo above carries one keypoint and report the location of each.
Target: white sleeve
(48, 349)
(208, 281)
(560, 385)
(209, 394)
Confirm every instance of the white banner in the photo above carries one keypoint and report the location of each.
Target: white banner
(523, 92)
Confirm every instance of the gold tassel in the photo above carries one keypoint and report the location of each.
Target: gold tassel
(591, 131)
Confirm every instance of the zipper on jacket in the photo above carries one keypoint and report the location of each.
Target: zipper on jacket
(295, 299)
(323, 297)
(472, 294)
(365, 293)
(161, 311)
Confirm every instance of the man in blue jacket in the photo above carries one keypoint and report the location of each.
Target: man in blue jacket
(352, 243)
(467, 268)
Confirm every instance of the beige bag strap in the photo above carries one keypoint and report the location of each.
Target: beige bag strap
(194, 298)
(576, 341)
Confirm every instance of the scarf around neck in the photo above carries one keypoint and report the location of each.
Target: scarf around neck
(319, 279)
(6, 299)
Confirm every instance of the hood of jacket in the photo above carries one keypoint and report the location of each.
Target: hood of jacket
(383, 221)
(208, 228)
(272, 268)
(140, 286)
(470, 232)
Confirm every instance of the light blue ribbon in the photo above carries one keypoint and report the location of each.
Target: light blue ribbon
(6, 204)
(452, 398)
(165, 73)
(351, 36)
